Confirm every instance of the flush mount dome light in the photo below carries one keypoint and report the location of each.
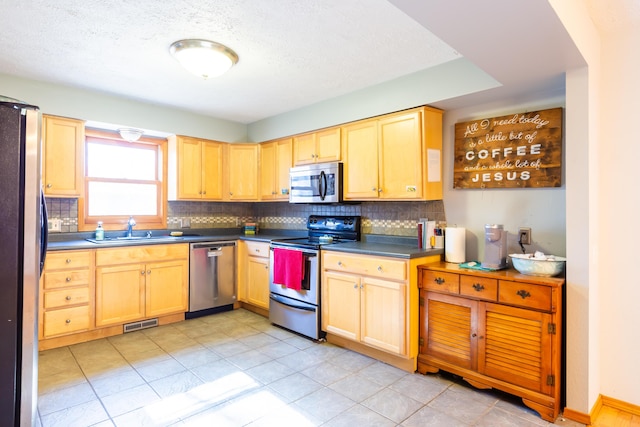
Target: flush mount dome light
(203, 58)
(130, 134)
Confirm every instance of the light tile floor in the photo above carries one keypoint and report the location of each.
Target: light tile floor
(236, 369)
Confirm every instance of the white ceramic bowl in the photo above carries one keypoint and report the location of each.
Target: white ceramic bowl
(545, 267)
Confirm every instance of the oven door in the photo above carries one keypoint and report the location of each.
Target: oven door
(310, 289)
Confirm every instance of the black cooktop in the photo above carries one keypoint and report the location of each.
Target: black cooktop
(326, 230)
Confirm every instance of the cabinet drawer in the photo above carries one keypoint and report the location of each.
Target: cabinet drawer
(525, 294)
(440, 282)
(366, 265)
(66, 297)
(68, 259)
(66, 321)
(479, 287)
(62, 279)
(144, 253)
(259, 249)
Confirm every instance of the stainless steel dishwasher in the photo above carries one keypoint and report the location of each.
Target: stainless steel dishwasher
(212, 277)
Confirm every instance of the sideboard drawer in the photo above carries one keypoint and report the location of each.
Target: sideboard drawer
(479, 287)
(440, 282)
(525, 295)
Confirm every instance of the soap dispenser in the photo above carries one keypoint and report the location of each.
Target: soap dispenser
(99, 231)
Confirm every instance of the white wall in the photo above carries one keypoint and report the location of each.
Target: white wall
(87, 105)
(542, 209)
(620, 200)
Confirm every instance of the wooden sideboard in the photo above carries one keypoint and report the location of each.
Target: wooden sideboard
(496, 329)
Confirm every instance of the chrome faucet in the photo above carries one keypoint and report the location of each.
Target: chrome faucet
(130, 225)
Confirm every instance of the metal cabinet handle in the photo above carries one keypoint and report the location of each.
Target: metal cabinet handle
(68, 279)
(68, 298)
(340, 263)
(439, 280)
(68, 321)
(524, 294)
(49, 185)
(379, 268)
(68, 260)
(148, 271)
(478, 287)
(142, 273)
(355, 286)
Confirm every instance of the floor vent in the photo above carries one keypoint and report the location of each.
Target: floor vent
(136, 326)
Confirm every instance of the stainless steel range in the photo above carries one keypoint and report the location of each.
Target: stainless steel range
(294, 273)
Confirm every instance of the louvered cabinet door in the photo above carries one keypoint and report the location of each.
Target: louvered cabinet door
(448, 329)
(516, 346)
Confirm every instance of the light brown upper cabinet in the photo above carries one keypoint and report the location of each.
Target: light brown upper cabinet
(275, 161)
(394, 157)
(317, 147)
(195, 169)
(242, 171)
(63, 151)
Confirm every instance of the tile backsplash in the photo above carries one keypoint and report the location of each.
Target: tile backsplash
(387, 218)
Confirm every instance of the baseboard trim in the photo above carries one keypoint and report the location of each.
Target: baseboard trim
(601, 401)
(577, 416)
(620, 405)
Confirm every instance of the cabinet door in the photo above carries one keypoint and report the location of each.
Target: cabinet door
(120, 294)
(166, 288)
(267, 170)
(516, 346)
(63, 150)
(189, 168)
(211, 170)
(243, 171)
(328, 145)
(448, 329)
(400, 156)
(383, 308)
(360, 156)
(304, 149)
(283, 162)
(258, 281)
(341, 304)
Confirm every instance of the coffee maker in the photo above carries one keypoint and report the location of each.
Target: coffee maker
(495, 247)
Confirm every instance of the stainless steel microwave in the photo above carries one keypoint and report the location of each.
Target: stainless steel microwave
(317, 183)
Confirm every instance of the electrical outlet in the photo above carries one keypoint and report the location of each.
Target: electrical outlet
(54, 225)
(524, 235)
(185, 223)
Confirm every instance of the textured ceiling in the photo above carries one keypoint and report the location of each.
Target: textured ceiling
(292, 53)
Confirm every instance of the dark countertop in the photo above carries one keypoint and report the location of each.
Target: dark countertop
(392, 246)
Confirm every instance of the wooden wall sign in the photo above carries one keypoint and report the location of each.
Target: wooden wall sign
(522, 150)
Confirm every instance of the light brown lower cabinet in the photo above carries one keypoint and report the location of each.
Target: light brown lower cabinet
(370, 305)
(498, 330)
(66, 289)
(253, 276)
(139, 282)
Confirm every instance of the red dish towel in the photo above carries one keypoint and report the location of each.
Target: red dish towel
(288, 268)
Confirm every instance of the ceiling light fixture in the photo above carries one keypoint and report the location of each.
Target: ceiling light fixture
(203, 58)
(130, 134)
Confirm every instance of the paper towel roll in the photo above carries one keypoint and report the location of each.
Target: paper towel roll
(454, 244)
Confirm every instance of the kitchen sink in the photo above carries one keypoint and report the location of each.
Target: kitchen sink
(137, 239)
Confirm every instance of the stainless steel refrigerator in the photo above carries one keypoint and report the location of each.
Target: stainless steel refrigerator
(23, 242)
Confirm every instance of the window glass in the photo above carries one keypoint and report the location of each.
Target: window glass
(120, 162)
(119, 198)
(123, 179)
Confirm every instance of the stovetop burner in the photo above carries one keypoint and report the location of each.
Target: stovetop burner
(326, 230)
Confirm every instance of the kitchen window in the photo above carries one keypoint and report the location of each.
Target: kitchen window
(123, 179)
